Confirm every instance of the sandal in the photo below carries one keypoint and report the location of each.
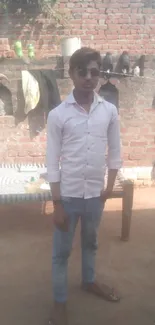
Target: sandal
(59, 315)
(103, 292)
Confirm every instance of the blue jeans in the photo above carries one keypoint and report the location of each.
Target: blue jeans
(90, 212)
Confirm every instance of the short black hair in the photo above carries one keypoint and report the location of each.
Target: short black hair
(82, 57)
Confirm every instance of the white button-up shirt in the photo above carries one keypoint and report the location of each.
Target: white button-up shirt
(77, 140)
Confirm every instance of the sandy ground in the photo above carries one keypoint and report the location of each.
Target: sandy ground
(25, 267)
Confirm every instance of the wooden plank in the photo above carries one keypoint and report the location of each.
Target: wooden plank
(116, 194)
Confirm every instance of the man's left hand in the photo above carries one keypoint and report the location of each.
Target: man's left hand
(105, 194)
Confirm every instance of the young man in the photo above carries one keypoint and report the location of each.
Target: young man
(77, 135)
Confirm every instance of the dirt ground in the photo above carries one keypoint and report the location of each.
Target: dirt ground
(25, 267)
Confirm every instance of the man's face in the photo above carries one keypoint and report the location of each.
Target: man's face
(86, 78)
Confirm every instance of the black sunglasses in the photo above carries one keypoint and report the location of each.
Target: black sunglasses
(93, 71)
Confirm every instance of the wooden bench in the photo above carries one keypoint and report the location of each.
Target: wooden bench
(11, 192)
(126, 193)
(123, 189)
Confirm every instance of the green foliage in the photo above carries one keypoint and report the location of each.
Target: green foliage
(19, 4)
(58, 18)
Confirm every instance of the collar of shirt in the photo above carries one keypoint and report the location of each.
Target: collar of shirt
(97, 100)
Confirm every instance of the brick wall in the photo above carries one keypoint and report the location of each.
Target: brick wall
(106, 25)
(113, 25)
(25, 140)
(137, 118)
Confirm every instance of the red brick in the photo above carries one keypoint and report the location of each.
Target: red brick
(12, 147)
(151, 150)
(78, 21)
(113, 26)
(92, 10)
(125, 156)
(62, 5)
(136, 156)
(123, 130)
(138, 143)
(136, 5)
(125, 143)
(148, 10)
(42, 139)
(100, 5)
(115, 46)
(40, 160)
(37, 152)
(24, 160)
(22, 153)
(4, 41)
(27, 147)
(144, 131)
(130, 163)
(7, 120)
(134, 10)
(2, 120)
(139, 150)
(25, 139)
(12, 153)
(77, 10)
(89, 21)
(113, 38)
(85, 15)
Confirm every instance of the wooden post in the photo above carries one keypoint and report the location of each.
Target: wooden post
(43, 208)
(127, 202)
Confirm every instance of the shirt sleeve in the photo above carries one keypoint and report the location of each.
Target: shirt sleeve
(114, 143)
(53, 151)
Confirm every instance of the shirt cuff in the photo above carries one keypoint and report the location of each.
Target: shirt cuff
(114, 164)
(53, 177)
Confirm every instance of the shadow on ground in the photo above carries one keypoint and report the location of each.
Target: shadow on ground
(25, 269)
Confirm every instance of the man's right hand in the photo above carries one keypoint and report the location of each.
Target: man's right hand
(60, 218)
